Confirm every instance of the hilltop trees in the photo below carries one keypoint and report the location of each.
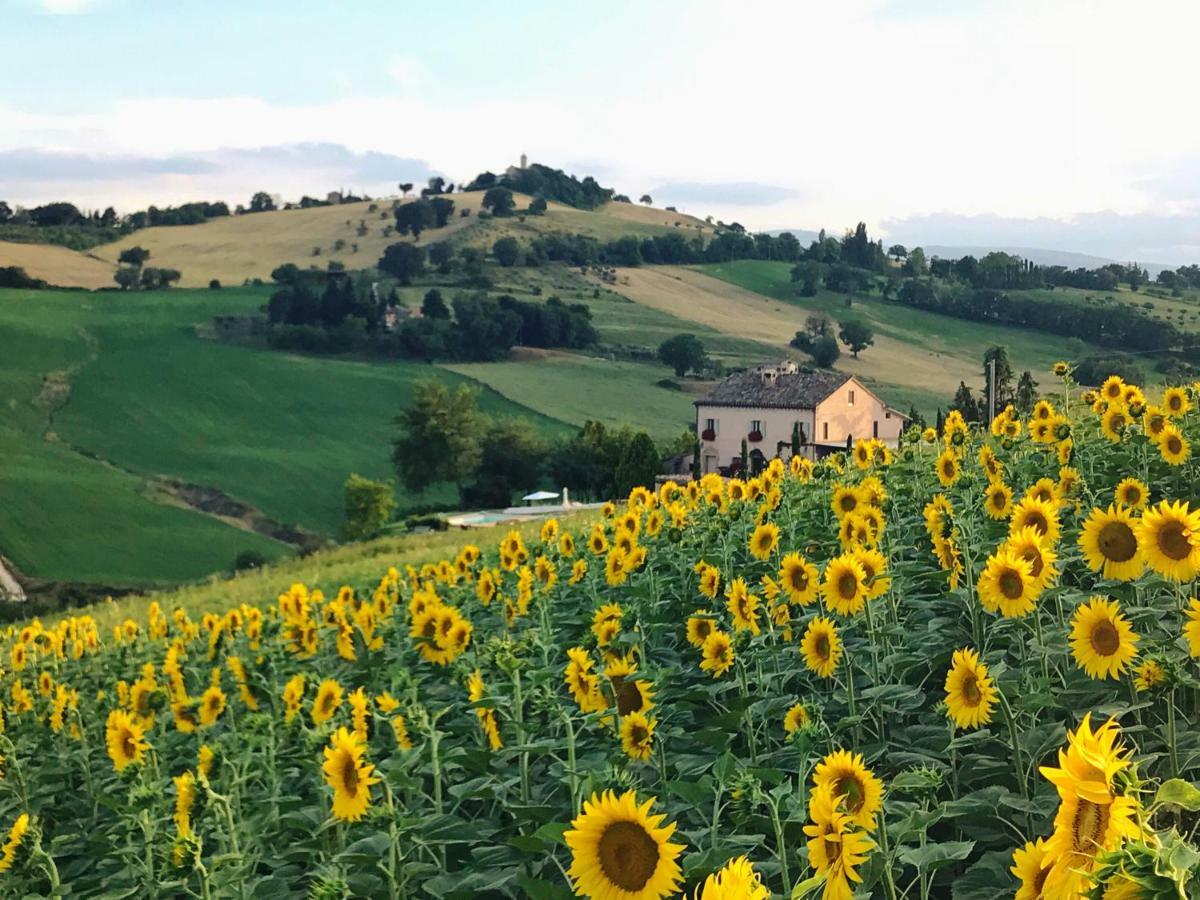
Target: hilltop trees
(6, 212)
(261, 202)
(405, 187)
(134, 256)
(499, 200)
(402, 261)
(683, 352)
(646, 199)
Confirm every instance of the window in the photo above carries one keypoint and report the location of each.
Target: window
(875, 428)
(887, 415)
(852, 398)
(825, 431)
(756, 425)
(710, 425)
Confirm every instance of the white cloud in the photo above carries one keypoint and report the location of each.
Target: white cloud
(66, 7)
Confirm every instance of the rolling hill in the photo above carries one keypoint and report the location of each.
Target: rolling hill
(58, 265)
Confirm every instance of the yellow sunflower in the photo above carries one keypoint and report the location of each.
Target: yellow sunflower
(874, 566)
(1132, 493)
(821, 646)
(1175, 401)
(1191, 628)
(637, 736)
(1031, 866)
(764, 540)
(799, 578)
(1173, 446)
(125, 739)
(1030, 546)
(736, 880)
(212, 704)
(846, 775)
(835, 847)
(795, 718)
(699, 627)
(710, 579)
(1109, 544)
(348, 774)
(1169, 538)
(1041, 514)
(1102, 640)
(717, 653)
(1149, 675)
(970, 694)
(948, 467)
(1006, 584)
(328, 699)
(844, 585)
(1113, 423)
(16, 834)
(619, 851)
(845, 500)
(743, 606)
(997, 500)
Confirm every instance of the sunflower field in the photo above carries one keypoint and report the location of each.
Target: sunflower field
(964, 667)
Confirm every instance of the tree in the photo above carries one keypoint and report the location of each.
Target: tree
(538, 205)
(261, 202)
(824, 351)
(1004, 378)
(639, 464)
(897, 252)
(127, 277)
(915, 263)
(856, 336)
(403, 262)
(405, 187)
(134, 256)
(441, 255)
(511, 458)
(815, 326)
(6, 212)
(683, 352)
(415, 217)
(808, 275)
(441, 207)
(369, 506)
(437, 185)
(433, 306)
(1026, 394)
(965, 403)
(499, 200)
(647, 199)
(439, 437)
(507, 251)
(797, 438)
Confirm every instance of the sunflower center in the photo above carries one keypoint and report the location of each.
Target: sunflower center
(1011, 585)
(970, 689)
(823, 647)
(350, 774)
(1105, 638)
(1089, 826)
(638, 734)
(847, 585)
(629, 697)
(628, 855)
(1132, 496)
(1173, 541)
(1117, 542)
(1038, 521)
(798, 580)
(1174, 444)
(128, 745)
(998, 499)
(851, 788)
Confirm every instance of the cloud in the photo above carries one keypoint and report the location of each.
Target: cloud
(733, 193)
(66, 7)
(33, 165)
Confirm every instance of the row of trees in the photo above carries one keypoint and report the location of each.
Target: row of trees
(817, 339)
(445, 438)
(541, 181)
(133, 273)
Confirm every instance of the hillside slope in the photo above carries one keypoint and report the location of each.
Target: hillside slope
(59, 266)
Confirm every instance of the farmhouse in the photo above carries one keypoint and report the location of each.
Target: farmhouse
(764, 405)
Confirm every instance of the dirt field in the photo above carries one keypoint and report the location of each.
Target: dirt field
(58, 265)
(735, 311)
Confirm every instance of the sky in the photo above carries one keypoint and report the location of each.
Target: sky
(1056, 124)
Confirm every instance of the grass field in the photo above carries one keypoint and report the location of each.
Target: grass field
(577, 388)
(58, 265)
(131, 384)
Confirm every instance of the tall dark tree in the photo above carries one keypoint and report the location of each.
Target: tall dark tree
(964, 402)
(499, 200)
(1026, 393)
(415, 217)
(824, 351)
(6, 212)
(134, 256)
(439, 438)
(855, 335)
(433, 306)
(262, 202)
(683, 352)
(1004, 379)
(402, 261)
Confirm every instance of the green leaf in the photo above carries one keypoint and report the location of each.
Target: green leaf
(808, 887)
(1178, 792)
(932, 857)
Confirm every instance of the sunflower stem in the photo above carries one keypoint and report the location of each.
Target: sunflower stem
(519, 718)
(1015, 744)
(1172, 747)
(889, 882)
(780, 846)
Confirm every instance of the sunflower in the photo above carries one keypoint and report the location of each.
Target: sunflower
(1031, 867)
(1113, 423)
(1006, 584)
(125, 739)
(1041, 514)
(736, 880)
(1154, 421)
(699, 627)
(718, 654)
(615, 572)
(997, 500)
(992, 467)
(1091, 817)
(621, 852)
(799, 578)
(1043, 489)
(795, 718)
(632, 695)
(710, 579)
(1132, 493)
(1102, 640)
(348, 774)
(845, 500)
(743, 606)
(764, 540)
(847, 776)
(1191, 628)
(1175, 401)
(16, 835)
(185, 797)
(1169, 538)
(821, 646)
(597, 542)
(1149, 675)
(212, 704)
(948, 467)
(835, 848)
(1031, 547)
(874, 566)
(1110, 545)
(637, 736)
(1113, 388)
(328, 699)
(844, 585)
(1173, 446)
(970, 694)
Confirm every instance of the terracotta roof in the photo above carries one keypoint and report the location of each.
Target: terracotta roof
(798, 390)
